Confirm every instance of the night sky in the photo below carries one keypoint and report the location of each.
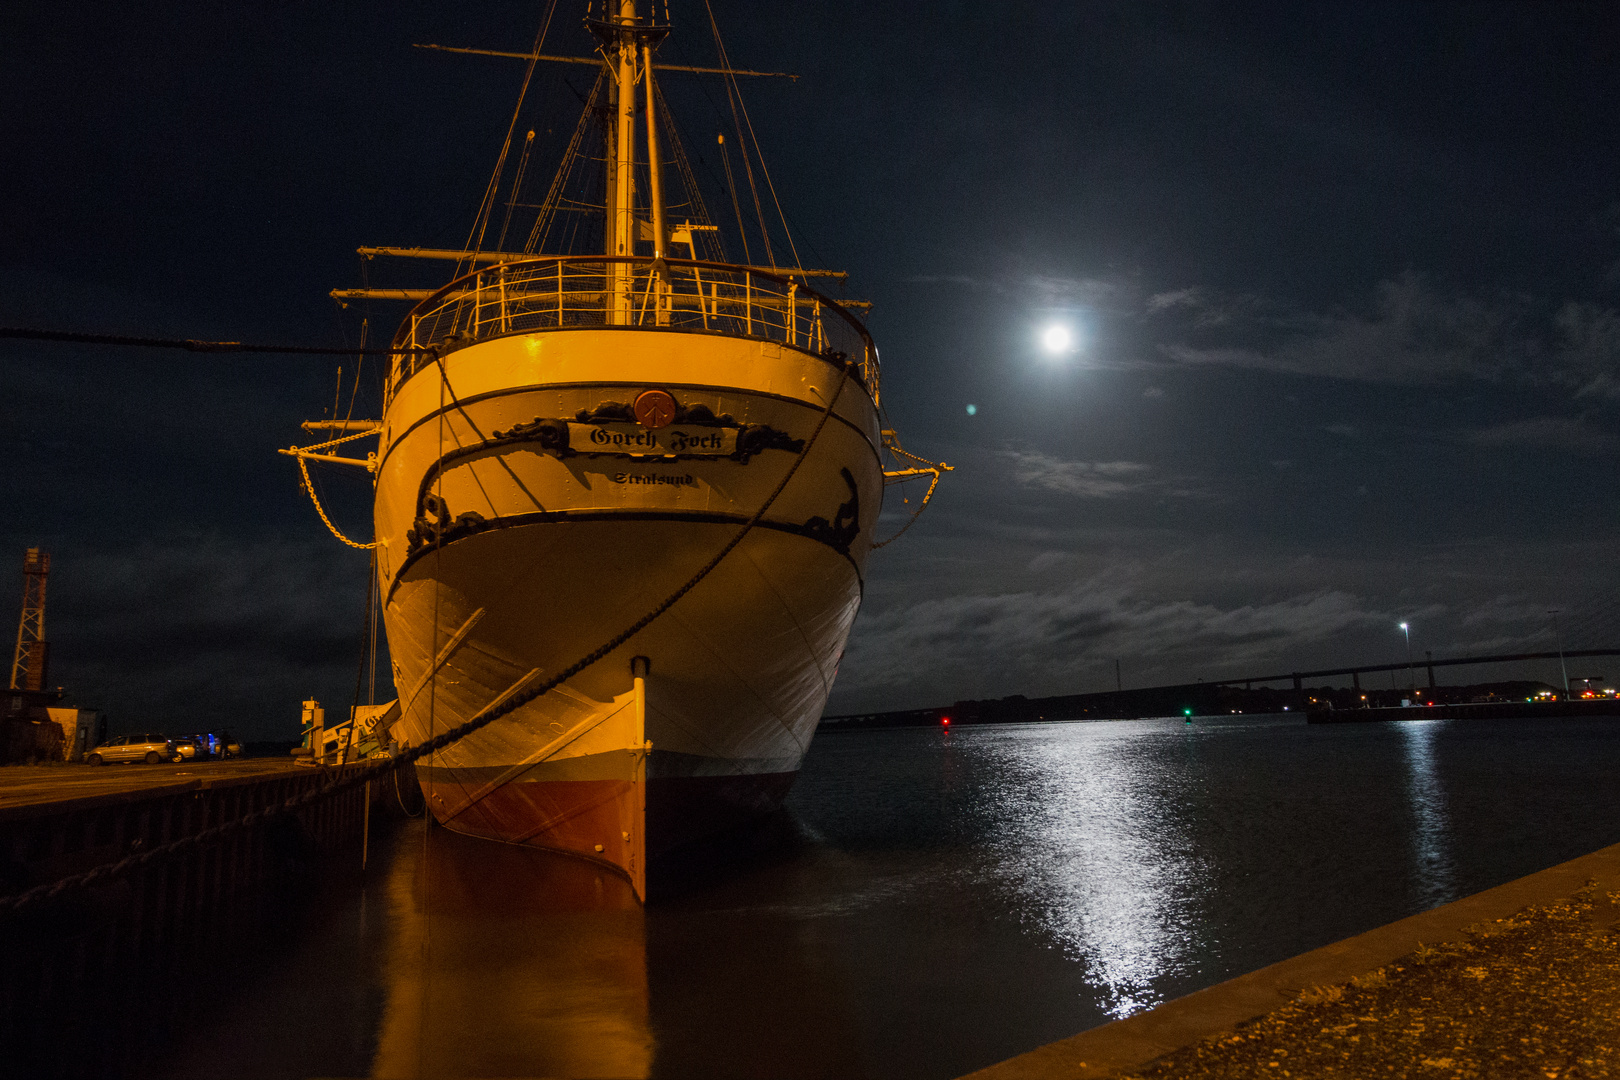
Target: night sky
(1344, 281)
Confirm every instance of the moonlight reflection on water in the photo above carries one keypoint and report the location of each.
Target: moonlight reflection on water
(1098, 855)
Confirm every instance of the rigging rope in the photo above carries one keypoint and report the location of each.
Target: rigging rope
(512, 192)
(359, 366)
(731, 82)
(714, 247)
(731, 185)
(189, 344)
(514, 697)
(541, 230)
(365, 652)
(475, 238)
(915, 514)
(938, 468)
(733, 99)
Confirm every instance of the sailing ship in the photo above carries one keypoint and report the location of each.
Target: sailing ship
(568, 436)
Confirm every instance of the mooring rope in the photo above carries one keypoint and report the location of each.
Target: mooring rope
(189, 344)
(508, 701)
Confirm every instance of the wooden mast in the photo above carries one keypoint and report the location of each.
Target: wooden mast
(623, 164)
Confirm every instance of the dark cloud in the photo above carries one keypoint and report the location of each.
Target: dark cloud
(1570, 434)
(1046, 291)
(1410, 334)
(1086, 479)
(1044, 638)
(188, 631)
(1589, 353)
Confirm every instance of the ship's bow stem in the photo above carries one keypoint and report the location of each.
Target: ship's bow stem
(637, 810)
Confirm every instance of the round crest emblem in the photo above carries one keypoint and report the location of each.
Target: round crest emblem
(654, 409)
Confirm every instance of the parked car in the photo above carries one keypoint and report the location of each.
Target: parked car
(212, 744)
(132, 748)
(189, 748)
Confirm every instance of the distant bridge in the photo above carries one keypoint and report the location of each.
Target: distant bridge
(1428, 663)
(1172, 699)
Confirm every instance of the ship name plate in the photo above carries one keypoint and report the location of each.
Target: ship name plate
(638, 441)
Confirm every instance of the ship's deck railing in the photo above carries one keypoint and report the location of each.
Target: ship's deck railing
(571, 292)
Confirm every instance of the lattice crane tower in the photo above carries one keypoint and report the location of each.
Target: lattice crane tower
(28, 667)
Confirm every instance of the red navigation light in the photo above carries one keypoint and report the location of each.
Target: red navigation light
(945, 721)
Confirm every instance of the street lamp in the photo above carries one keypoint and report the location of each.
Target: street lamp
(1411, 676)
(1558, 635)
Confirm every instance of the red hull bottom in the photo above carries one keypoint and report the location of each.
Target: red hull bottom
(596, 819)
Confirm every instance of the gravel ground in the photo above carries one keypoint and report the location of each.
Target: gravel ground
(1534, 995)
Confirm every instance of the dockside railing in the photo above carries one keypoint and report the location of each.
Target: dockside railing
(569, 292)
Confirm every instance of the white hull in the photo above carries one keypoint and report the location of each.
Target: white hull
(538, 554)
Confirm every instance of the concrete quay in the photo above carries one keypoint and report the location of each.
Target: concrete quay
(30, 785)
(79, 958)
(1569, 908)
(60, 820)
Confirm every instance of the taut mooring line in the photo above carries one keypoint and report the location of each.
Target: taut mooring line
(18, 333)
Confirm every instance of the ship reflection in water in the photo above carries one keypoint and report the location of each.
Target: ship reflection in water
(503, 961)
(931, 903)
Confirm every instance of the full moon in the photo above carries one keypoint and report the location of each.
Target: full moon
(1057, 339)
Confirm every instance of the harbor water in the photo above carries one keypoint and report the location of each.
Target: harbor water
(931, 902)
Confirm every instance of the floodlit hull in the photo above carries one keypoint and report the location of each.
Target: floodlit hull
(524, 520)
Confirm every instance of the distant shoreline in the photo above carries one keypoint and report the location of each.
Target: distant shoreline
(1205, 701)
